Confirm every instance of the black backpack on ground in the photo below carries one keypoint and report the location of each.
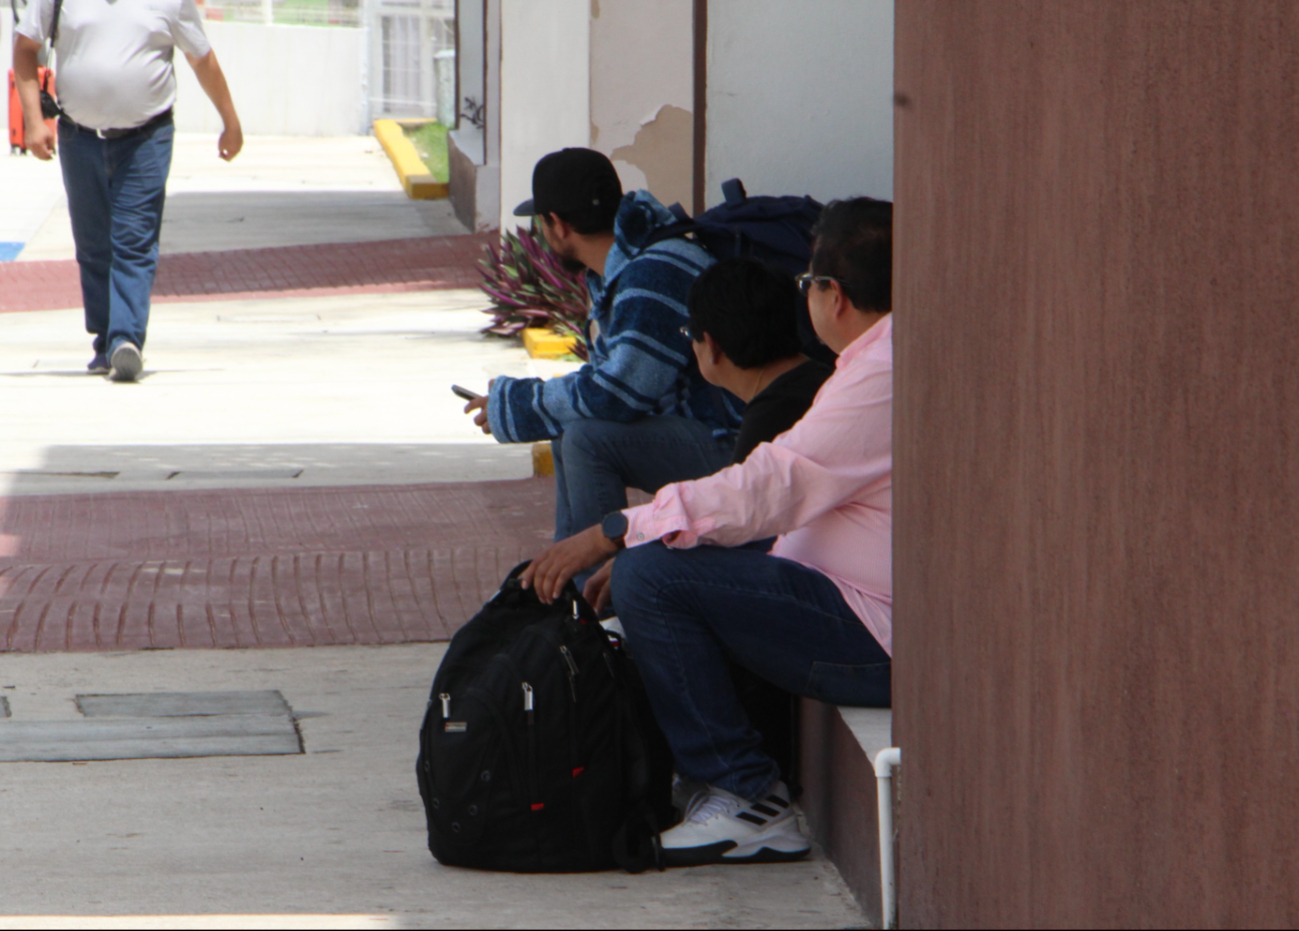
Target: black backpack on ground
(539, 752)
(774, 230)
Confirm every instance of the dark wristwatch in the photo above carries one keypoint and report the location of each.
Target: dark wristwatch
(615, 526)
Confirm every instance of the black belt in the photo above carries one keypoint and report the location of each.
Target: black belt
(163, 117)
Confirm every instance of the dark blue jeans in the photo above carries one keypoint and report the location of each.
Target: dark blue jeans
(688, 612)
(115, 191)
(596, 461)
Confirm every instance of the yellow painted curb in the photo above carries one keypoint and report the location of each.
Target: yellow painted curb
(412, 171)
(544, 344)
(543, 463)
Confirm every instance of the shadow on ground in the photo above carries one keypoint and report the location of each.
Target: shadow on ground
(205, 222)
(256, 566)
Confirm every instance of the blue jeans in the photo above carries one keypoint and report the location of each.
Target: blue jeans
(115, 191)
(596, 461)
(688, 612)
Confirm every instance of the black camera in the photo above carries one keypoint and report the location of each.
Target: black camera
(50, 108)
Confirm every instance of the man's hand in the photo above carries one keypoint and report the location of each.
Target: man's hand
(480, 419)
(39, 137)
(231, 141)
(550, 572)
(598, 591)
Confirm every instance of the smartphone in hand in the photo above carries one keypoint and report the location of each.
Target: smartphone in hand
(465, 393)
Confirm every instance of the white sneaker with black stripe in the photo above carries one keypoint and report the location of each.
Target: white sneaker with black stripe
(723, 828)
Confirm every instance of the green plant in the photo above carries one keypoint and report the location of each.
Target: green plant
(430, 141)
(530, 288)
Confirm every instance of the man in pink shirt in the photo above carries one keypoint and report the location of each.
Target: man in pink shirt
(699, 583)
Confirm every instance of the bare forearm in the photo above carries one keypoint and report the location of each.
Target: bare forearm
(26, 76)
(213, 81)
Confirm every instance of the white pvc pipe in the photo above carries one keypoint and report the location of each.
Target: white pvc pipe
(885, 762)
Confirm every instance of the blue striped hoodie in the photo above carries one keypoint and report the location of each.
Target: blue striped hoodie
(641, 363)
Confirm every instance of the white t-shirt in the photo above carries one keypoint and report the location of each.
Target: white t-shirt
(114, 59)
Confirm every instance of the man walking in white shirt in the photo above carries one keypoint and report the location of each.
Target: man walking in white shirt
(117, 86)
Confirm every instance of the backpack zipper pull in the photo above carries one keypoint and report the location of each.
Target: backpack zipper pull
(446, 705)
(571, 664)
(527, 701)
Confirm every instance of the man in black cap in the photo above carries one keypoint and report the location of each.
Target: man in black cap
(639, 414)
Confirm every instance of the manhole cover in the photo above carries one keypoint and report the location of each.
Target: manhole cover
(156, 725)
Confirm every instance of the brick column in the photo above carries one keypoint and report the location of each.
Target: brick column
(1097, 462)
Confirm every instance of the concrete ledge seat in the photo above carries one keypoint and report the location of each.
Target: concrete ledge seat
(840, 800)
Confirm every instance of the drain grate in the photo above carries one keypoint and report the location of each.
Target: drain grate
(157, 725)
(228, 474)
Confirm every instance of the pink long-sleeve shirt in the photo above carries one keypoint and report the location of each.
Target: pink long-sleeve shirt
(825, 486)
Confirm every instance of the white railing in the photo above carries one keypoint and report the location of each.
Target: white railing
(381, 58)
(345, 13)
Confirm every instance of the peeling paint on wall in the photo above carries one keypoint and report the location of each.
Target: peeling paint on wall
(663, 150)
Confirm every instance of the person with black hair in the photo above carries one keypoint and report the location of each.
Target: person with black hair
(696, 584)
(639, 414)
(744, 327)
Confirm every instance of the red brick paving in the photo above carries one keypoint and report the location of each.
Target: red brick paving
(299, 567)
(429, 264)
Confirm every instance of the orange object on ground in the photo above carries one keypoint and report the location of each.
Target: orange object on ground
(17, 131)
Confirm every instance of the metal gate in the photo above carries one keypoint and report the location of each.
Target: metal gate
(412, 58)
(411, 68)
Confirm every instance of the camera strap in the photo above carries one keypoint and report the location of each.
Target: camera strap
(50, 108)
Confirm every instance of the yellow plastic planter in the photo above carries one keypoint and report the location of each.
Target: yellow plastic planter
(543, 461)
(543, 344)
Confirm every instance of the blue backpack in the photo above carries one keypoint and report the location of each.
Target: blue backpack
(774, 230)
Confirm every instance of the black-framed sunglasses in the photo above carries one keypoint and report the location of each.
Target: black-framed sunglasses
(806, 280)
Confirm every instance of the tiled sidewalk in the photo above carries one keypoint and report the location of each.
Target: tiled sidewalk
(431, 263)
(303, 567)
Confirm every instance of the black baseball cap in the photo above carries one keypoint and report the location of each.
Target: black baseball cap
(572, 181)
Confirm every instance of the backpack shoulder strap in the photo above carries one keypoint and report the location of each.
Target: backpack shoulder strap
(671, 231)
(54, 27)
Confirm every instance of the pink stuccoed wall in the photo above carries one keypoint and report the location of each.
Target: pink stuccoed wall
(1097, 462)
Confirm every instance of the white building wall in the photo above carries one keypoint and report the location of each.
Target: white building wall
(614, 75)
(285, 81)
(470, 19)
(800, 97)
(642, 93)
(545, 95)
